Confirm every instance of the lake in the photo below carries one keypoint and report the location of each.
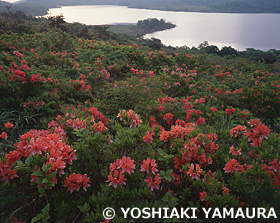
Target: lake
(241, 31)
(12, 1)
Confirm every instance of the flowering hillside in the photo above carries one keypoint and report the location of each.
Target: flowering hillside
(86, 125)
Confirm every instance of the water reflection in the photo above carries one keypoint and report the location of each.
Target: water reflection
(259, 31)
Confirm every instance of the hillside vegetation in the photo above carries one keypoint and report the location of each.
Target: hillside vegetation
(89, 122)
(40, 7)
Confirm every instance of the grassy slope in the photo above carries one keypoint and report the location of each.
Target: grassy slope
(56, 54)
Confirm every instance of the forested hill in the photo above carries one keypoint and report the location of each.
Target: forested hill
(39, 7)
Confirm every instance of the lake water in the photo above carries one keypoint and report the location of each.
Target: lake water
(241, 31)
(12, 1)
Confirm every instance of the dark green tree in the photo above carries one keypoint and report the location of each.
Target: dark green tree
(211, 49)
(57, 22)
(228, 51)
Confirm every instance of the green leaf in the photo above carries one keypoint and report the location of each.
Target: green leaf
(52, 175)
(37, 218)
(96, 134)
(45, 181)
(20, 163)
(168, 178)
(28, 161)
(41, 190)
(46, 209)
(50, 184)
(44, 167)
(38, 173)
(168, 172)
(86, 132)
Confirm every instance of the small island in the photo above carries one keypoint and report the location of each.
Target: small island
(142, 27)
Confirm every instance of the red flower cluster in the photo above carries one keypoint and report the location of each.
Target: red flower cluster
(235, 152)
(99, 127)
(202, 196)
(42, 143)
(77, 123)
(176, 131)
(232, 166)
(273, 172)
(244, 114)
(6, 171)
(194, 173)
(150, 167)
(229, 111)
(14, 219)
(78, 85)
(130, 118)
(212, 109)
(8, 125)
(192, 112)
(153, 122)
(118, 169)
(199, 101)
(225, 190)
(35, 104)
(237, 131)
(168, 118)
(258, 132)
(197, 150)
(89, 120)
(18, 73)
(153, 183)
(104, 74)
(98, 115)
(4, 135)
(126, 165)
(75, 181)
(148, 138)
(200, 121)
(165, 100)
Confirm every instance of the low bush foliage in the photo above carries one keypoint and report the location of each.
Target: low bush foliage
(87, 125)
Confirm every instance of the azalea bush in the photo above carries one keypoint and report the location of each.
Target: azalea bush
(87, 125)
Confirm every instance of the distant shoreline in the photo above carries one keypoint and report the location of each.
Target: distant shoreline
(14, 2)
(40, 7)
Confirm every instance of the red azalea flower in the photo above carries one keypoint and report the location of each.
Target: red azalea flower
(194, 173)
(225, 190)
(75, 181)
(12, 157)
(213, 109)
(127, 165)
(116, 178)
(200, 121)
(4, 135)
(237, 131)
(6, 172)
(232, 166)
(148, 138)
(234, 152)
(169, 118)
(153, 183)
(8, 125)
(202, 196)
(147, 164)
